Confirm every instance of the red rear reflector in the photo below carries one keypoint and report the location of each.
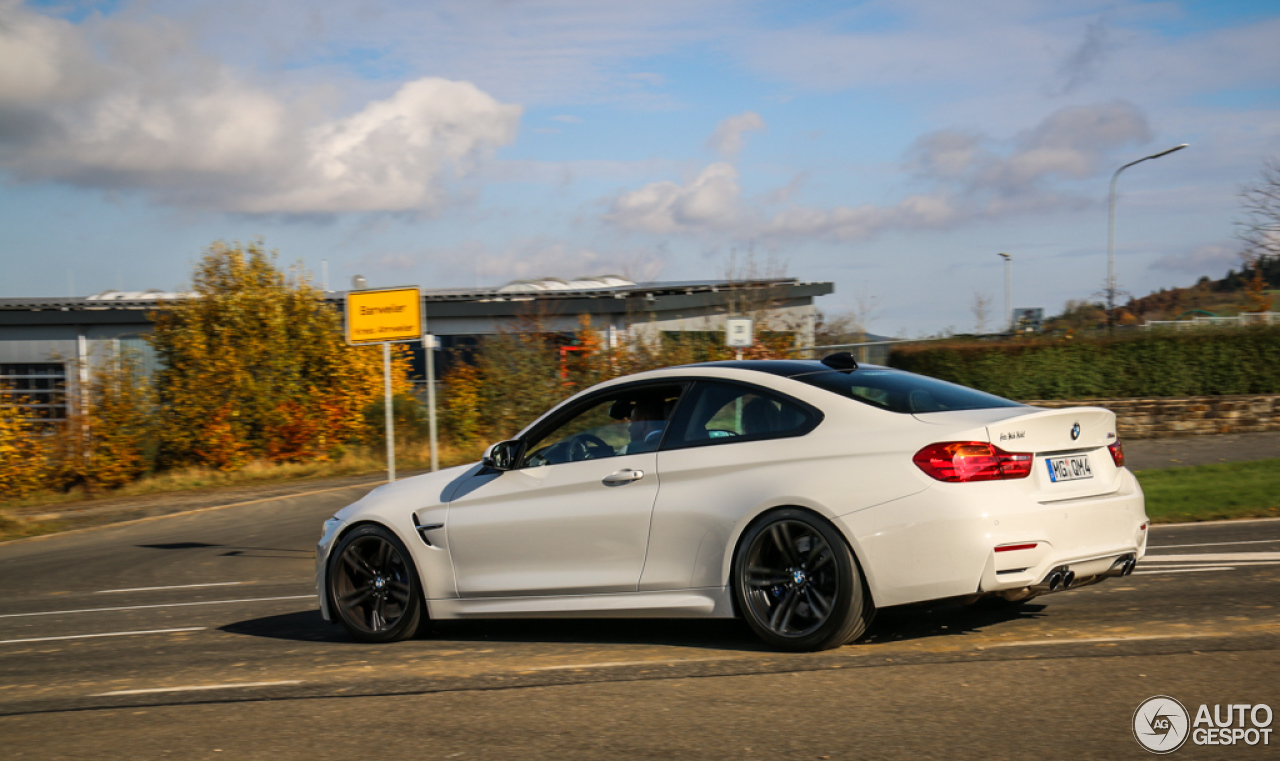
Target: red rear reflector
(963, 461)
(1013, 547)
(1117, 453)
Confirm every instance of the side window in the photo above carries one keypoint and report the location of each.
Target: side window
(724, 412)
(630, 421)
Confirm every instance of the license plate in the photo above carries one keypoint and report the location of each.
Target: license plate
(1071, 468)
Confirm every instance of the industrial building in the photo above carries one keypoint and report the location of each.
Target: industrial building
(48, 345)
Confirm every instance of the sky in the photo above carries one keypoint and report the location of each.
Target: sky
(891, 148)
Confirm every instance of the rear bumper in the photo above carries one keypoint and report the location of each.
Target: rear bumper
(943, 542)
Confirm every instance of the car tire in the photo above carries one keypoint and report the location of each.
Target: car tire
(797, 583)
(373, 587)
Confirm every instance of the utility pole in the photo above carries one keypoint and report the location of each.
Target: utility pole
(1008, 288)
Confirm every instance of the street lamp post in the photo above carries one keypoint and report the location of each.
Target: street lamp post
(1111, 232)
(1008, 280)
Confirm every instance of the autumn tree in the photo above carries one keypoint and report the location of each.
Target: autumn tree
(1259, 230)
(102, 443)
(254, 366)
(23, 459)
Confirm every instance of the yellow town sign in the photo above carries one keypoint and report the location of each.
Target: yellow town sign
(393, 314)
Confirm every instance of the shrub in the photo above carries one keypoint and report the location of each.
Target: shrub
(1208, 362)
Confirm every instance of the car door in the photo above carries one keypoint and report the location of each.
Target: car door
(573, 517)
(731, 446)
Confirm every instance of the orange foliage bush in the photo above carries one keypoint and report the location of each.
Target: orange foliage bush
(23, 461)
(255, 367)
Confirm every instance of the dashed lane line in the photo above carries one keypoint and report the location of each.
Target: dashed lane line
(106, 634)
(1095, 640)
(194, 688)
(1183, 570)
(1212, 557)
(162, 605)
(179, 586)
(1213, 544)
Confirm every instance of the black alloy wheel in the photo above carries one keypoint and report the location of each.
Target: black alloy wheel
(373, 587)
(797, 583)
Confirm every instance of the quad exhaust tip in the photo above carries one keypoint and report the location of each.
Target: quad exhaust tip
(1057, 579)
(1063, 577)
(1122, 567)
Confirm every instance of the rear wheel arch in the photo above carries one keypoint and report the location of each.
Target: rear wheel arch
(853, 547)
(797, 581)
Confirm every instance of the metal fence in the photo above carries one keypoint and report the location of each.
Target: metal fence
(1245, 318)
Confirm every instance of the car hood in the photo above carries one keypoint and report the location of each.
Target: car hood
(416, 492)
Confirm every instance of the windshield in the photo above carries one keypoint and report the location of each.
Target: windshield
(899, 391)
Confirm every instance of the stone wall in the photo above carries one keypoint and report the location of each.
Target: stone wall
(1156, 418)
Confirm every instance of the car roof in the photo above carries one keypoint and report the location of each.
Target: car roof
(786, 368)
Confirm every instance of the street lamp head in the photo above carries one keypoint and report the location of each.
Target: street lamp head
(1006, 256)
(1166, 153)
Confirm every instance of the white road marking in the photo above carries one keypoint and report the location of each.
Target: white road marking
(1202, 524)
(1237, 564)
(164, 605)
(1197, 569)
(1145, 567)
(1214, 544)
(182, 586)
(607, 664)
(1092, 640)
(193, 688)
(1219, 557)
(108, 634)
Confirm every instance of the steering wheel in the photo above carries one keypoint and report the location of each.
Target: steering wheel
(586, 446)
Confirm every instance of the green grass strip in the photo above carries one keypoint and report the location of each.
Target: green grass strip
(1213, 492)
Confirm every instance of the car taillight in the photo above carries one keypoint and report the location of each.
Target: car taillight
(1117, 453)
(964, 461)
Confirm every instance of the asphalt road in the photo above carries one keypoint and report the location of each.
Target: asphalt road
(197, 636)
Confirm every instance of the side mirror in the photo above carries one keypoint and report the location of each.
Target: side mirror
(505, 455)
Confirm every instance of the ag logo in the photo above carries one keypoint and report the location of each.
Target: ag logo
(1160, 724)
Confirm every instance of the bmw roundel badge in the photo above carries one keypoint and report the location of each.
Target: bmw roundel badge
(1075, 431)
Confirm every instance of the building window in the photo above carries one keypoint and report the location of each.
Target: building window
(37, 386)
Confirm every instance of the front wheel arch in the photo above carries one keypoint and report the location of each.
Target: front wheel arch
(372, 567)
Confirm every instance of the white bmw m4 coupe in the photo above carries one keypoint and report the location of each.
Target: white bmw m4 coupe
(799, 495)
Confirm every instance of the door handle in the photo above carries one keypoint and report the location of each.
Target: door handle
(623, 477)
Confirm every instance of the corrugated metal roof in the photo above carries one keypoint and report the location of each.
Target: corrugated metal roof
(583, 288)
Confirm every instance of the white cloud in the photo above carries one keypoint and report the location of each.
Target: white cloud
(390, 156)
(1020, 45)
(1213, 260)
(540, 258)
(730, 136)
(862, 222)
(710, 201)
(1069, 143)
(969, 179)
(126, 105)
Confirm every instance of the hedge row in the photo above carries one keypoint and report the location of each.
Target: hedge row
(1195, 363)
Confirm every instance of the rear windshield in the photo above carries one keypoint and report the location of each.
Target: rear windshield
(899, 391)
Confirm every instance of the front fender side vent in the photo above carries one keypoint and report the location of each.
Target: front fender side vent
(423, 529)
